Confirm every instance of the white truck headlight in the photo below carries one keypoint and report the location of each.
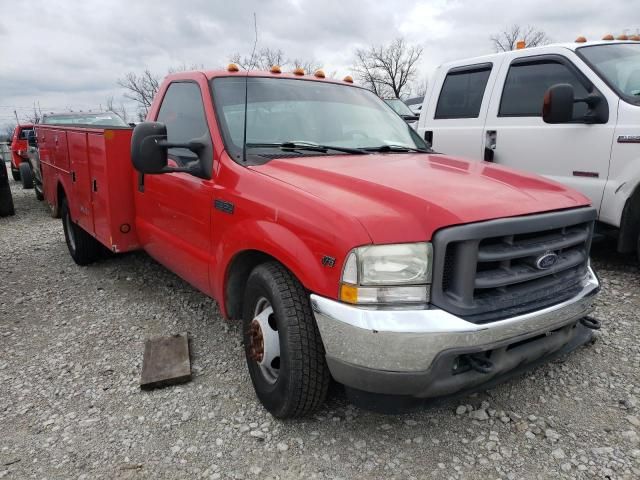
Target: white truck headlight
(387, 274)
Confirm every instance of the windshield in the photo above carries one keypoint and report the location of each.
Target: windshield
(287, 110)
(399, 106)
(99, 119)
(618, 64)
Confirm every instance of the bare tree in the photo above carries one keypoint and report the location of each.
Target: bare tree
(419, 88)
(141, 89)
(508, 39)
(388, 69)
(32, 117)
(117, 109)
(264, 59)
(7, 131)
(267, 57)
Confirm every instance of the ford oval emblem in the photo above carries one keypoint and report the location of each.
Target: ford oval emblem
(546, 261)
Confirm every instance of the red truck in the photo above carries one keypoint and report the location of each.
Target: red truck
(314, 214)
(20, 168)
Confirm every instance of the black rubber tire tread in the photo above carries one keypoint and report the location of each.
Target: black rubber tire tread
(308, 377)
(638, 249)
(87, 249)
(15, 173)
(6, 200)
(26, 175)
(37, 188)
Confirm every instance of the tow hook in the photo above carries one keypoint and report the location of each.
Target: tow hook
(590, 322)
(479, 363)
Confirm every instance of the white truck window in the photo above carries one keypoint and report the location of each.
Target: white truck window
(527, 83)
(462, 92)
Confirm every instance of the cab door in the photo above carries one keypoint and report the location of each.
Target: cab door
(577, 153)
(454, 120)
(174, 209)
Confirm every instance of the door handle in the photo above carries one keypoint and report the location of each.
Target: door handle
(490, 145)
(94, 185)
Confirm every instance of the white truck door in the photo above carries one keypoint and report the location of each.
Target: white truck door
(577, 153)
(453, 120)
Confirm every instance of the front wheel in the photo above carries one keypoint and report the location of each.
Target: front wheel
(283, 348)
(26, 174)
(83, 248)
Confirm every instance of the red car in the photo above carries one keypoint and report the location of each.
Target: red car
(20, 167)
(316, 216)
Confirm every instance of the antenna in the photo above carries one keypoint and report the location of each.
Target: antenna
(246, 89)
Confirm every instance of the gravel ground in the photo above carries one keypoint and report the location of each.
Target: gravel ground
(71, 344)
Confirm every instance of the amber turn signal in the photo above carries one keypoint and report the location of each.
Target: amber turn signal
(348, 293)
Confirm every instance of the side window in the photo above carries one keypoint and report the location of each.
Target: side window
(462, 93)
(183, 114)
(526, 84)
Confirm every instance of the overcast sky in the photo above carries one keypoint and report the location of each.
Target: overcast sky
(68, 54)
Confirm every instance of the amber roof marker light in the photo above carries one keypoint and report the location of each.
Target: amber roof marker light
(520, 44)
(348, 79)
(232, 67)
(608, 37)
(276, 69)
(298, 71)
(580, 39)
(319, 74)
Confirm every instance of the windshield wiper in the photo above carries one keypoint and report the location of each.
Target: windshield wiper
(314, 147)
(396, 148)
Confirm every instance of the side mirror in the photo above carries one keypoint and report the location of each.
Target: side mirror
(147, 153)
(149, 147)
(558, 103)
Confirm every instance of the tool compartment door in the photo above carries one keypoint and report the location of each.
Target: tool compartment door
(80, 204)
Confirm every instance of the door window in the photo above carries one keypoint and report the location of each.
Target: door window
(183, 114)
(462, 93)
(527, 83)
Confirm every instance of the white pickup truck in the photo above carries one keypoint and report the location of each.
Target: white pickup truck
(570, 112)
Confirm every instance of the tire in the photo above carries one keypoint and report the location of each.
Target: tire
(6, 200)
(638, 248)
(26, 174)
(83, 248)
(15, 173)
(302, 379)
(37, 188)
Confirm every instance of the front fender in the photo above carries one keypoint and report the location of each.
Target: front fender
(303, 259)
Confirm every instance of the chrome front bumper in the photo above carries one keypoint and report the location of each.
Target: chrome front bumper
(408, 341)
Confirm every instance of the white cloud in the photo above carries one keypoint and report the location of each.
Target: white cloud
(69, 54)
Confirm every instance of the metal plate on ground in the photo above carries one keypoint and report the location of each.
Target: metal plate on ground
(166, 361)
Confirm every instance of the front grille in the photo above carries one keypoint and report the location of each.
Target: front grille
(488, 271)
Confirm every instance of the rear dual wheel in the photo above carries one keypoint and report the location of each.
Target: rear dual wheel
(283, 348)
(26, 175)
(83, 248)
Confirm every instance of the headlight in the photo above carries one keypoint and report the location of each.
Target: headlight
(387, 274)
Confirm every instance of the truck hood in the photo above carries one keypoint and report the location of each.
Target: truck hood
(407, 197)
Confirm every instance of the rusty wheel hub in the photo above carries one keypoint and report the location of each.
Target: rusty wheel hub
(256, 342)
(264, 341)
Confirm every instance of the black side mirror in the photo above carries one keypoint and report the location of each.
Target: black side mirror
(558, 103)
(149, 147)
